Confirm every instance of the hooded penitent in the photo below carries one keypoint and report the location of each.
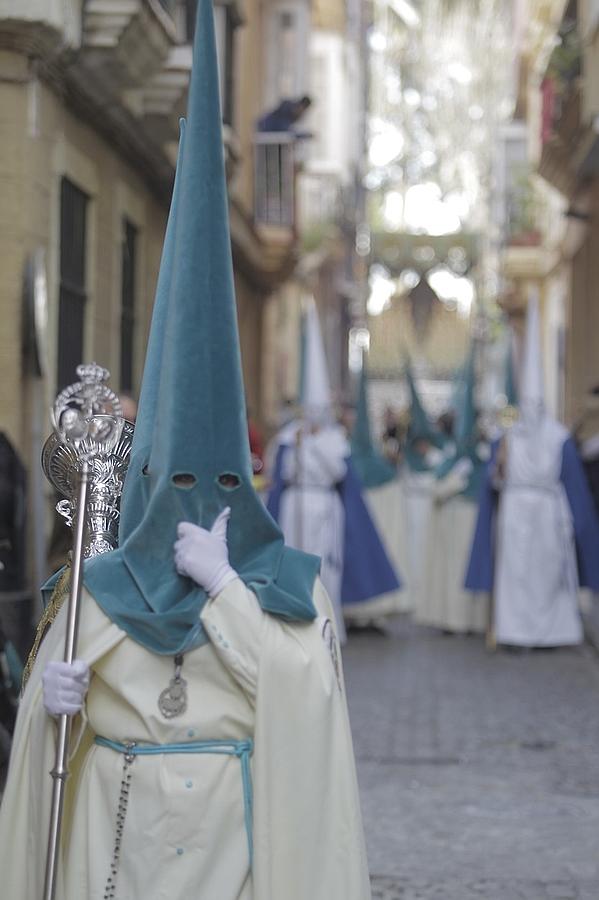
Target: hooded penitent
(372, 468)
(190, 455)
(465, 429)
(420, 427)
(542, 471)
(367, 572)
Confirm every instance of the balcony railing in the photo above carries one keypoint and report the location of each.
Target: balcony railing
(274, 179)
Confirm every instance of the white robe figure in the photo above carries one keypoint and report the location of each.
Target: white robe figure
(418, 490)
(312, 517)
(444, 602)
(535, 534)
(534, 524)
(184, 832)
(526, 552)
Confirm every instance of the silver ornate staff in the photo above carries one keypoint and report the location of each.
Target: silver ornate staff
(85, 456)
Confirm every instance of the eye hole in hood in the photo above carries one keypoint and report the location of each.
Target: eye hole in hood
(184, 480)
(229, 481)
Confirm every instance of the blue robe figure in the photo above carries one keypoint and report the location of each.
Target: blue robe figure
(316, 496)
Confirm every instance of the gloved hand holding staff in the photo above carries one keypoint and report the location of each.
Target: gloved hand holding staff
(87, 419)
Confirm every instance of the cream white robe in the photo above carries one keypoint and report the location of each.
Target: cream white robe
(444, 602)
(418, 490)
(258, 676)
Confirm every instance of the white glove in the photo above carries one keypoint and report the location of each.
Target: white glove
(453, 483)
(203, 555)
(65, 687)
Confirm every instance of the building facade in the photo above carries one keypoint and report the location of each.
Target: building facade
(90, 98)
(557, 250)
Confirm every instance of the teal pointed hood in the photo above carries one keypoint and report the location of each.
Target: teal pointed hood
(190, 455)
(372, 468)
(511, 388)
(465, 429)
(420, 427)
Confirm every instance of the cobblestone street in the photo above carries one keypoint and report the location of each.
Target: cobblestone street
(479, 774)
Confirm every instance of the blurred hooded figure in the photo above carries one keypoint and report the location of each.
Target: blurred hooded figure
(445, 603)
(423, 453)
(384, 497)
(311, 512)
(316, 496)
(212, 755)
(537, 532)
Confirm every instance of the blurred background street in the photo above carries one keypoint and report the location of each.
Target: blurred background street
(479, 776)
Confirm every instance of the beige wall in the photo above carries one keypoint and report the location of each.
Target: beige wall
(249, 70)
(582, 345)
(12, 227)
(41, 143)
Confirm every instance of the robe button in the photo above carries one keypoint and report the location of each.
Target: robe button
(179, 851)
(190, 733)
(189, 783)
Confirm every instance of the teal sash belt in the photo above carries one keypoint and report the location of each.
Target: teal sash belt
(241, 749)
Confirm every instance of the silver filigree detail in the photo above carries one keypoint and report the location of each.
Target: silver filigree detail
(88, 410)
(88, 425)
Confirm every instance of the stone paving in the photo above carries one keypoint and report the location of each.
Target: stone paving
(479, 773)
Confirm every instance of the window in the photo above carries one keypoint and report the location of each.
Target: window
(72, 294)
(128, 248)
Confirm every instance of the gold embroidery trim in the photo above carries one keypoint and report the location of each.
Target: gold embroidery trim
(59, 595)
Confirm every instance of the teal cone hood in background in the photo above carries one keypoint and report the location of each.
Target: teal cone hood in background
(419, 428)
(465, 427)
(372, 468)
(190, 455)
(301, 369)
(511, 388)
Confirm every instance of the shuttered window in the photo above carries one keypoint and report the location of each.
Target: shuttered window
(72, 296)
(128, 250)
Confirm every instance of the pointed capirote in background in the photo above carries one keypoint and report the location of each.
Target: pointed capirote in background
(215, 717)
(424, 440)
(383, 494)
(537, 531)
(371, 467)
(316, 496)
(445, 602)
(511, 386)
